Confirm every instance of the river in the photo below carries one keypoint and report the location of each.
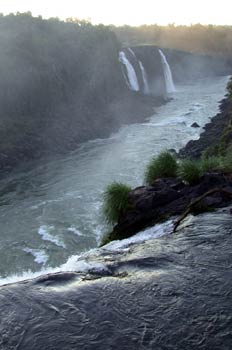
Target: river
(51, 210)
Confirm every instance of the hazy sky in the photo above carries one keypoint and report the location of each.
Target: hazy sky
(133, 12)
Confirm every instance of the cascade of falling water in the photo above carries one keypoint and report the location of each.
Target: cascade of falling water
(170, 87)
(132, 80)
(146, 88)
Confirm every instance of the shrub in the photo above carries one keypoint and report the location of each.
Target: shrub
(190, 171)
(164, 165)
(115, 201)
(219, 162)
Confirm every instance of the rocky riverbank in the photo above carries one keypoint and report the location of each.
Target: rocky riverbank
(169, 197)
(216, 136)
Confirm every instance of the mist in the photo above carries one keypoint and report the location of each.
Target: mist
(62, 84)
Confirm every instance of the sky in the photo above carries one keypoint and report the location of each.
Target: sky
(131, 12)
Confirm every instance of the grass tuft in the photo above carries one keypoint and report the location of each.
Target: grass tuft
(115, 201)
(211, 163)
(164, 165)
(189, 171)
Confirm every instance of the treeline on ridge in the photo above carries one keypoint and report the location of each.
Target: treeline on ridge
(198, 38)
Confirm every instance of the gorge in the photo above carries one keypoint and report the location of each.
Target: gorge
(80, 111)
(46, 110)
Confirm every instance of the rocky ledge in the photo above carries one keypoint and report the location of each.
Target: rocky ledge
(169, 197)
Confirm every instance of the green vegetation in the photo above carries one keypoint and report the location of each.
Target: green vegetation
(210, 163)
(222, 147)
(116, 195)
(189, 171)
(164, 165)
(115, 201)
(227, 162)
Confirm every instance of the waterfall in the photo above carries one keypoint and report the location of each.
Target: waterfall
(146, 88)
(170, 87)
(132, 52)
(132, 80)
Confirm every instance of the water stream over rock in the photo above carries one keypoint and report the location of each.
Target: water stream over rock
(172, 292)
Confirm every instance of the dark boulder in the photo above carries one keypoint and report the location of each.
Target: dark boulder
(195, 125)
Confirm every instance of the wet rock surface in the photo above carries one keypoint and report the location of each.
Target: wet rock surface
(168, 293)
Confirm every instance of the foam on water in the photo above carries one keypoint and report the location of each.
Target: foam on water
(40, 256)
(80, 263)
(75, 263)
(26, 275)
(94, 260)
(46, 236)
(145, 235)
(75, 230)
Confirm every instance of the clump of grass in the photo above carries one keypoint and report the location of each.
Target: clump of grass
(116, 201)
(190, 171)
(164, 165)
(218, 163)
(212, 163)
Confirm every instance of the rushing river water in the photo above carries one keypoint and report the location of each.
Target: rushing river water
(169, 293)
(53, 210)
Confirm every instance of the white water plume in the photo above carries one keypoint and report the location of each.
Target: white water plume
(146, 88)
(170, 87)
(131, 74)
